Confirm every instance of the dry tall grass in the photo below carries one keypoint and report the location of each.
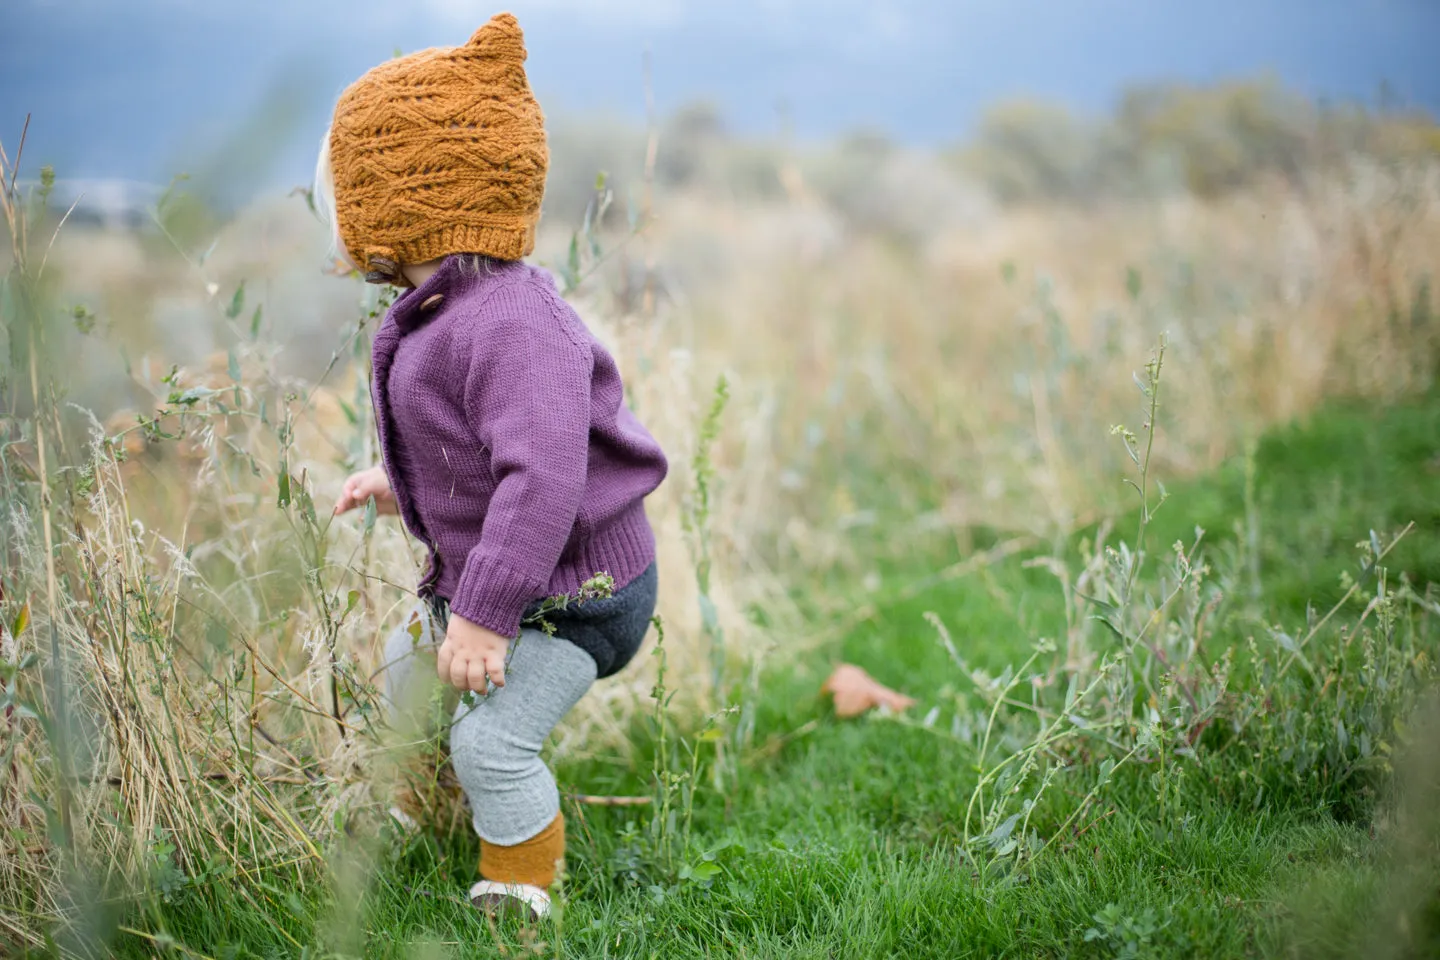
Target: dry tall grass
(217, 636)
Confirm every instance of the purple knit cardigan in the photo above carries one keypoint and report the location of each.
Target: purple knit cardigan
(504, 431)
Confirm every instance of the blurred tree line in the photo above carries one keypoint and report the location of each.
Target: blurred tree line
(1166, 138)
(1159, 140)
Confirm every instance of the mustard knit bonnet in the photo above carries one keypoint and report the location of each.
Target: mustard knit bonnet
(440, 152)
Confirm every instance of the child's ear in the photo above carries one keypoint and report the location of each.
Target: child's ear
(501, 36)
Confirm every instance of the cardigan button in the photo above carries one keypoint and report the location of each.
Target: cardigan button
(432, 301)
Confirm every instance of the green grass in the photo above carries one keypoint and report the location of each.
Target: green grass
(843, 839)
(1319, 488)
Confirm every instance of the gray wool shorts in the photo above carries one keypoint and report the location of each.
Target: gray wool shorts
(495, 741)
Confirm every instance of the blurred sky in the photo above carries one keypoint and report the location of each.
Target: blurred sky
(144, 88)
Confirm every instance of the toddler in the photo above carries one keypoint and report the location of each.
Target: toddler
(506, 444)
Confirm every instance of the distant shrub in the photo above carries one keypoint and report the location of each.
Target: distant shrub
(1166, 138)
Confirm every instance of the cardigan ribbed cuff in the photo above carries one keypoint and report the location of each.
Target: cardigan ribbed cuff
(494, 596)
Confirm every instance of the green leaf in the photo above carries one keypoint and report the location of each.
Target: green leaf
(307, 506)
(1130, 450)
(192, 396)
(370, 514)
(572, 260)
(606, 199)
(234, 366)
(22, 620)
(237, 302)
(284, 499)
(1132, 283)
(1103, 605)
(709, 616)
(702, 872)
(169, 194)
(255, 321)
(1002, 832)
(352, 599)
(1113, 629)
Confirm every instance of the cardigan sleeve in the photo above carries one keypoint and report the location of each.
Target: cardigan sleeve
(527, 395)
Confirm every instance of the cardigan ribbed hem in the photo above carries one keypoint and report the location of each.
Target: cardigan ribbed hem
(495, 596)
(623, 549)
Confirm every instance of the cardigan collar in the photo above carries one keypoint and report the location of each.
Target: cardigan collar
(455, 278)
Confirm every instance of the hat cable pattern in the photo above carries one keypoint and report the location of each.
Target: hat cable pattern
(442, 151)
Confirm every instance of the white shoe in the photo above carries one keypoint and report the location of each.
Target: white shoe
(498, 898)
(406, 822)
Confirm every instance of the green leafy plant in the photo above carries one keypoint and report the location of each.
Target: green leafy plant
(1127, 937)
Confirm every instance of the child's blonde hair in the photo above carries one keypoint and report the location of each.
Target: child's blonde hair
(322, 195)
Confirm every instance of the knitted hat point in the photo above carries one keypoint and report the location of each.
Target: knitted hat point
(502, 26)
(439, 152)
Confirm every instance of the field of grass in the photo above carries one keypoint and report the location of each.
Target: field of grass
(1187, 713)
(844, 839)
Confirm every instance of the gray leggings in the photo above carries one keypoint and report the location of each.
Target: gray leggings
(495, 744)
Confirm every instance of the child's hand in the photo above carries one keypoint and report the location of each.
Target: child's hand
(472, 657)
(364, 485)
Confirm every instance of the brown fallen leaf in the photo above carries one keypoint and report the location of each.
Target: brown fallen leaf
(855, 692)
